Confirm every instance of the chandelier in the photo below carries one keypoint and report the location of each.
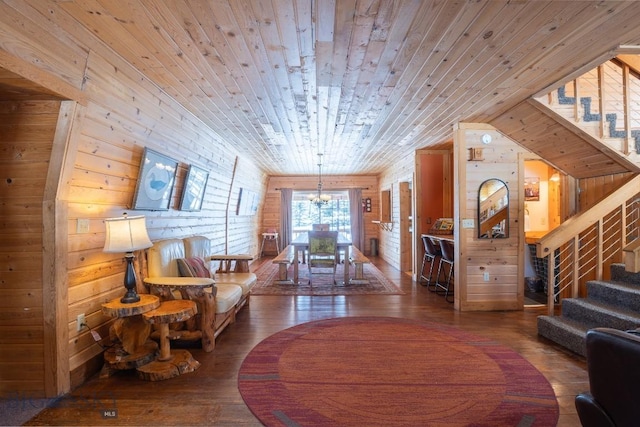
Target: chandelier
(319, 199)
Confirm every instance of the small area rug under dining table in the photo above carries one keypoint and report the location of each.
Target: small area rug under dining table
(383, 371)
(322, 284)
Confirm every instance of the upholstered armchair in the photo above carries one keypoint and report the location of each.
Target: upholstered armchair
(613, 361)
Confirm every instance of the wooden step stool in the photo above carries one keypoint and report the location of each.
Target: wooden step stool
(170, 363)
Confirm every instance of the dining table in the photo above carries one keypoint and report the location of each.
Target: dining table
(301, 243)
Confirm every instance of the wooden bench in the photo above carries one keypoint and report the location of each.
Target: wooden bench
(238, 263)
(284, 259)
(358, 259)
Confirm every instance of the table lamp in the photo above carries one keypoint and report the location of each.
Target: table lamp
(127, 234)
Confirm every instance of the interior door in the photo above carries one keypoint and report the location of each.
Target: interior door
(406, 228)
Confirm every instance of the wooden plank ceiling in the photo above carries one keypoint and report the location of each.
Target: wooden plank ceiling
(366, 82)
(565, 147)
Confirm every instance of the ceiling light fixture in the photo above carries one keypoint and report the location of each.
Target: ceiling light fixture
(319, 199)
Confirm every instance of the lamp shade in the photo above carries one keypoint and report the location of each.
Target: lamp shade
(126, 234)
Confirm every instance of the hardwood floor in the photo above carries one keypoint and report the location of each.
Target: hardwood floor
(210, 395)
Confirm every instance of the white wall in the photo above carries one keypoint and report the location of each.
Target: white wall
(389, 245)
(538, 211)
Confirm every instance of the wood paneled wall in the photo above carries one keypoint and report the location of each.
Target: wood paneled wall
(592, 190)
(122, 113)
(502, 259)
(368, 184)
(126, 113)
(27, 129)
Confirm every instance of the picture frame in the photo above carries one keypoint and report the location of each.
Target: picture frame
(446, 224)
(247, 202)
(532, 189)
(155, 181)
(195, 185)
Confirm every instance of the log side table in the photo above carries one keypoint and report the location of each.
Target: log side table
(195, 289)
(170, 363)
(134, 348)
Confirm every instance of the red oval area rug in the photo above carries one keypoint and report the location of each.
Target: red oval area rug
(381, 371)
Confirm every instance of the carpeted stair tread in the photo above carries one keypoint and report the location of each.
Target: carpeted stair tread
(613, 304)
(619, 274)
(565, 332)
(623, 295)
(593, 313)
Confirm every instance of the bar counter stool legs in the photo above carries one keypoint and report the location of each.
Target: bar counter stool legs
(447, 258)
(431, 252)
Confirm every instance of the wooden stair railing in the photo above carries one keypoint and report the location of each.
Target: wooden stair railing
(579, 248)
(608, 96)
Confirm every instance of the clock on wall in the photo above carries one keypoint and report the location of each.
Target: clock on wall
(486, 138)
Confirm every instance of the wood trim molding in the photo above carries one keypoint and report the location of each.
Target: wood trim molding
(35, 74)
(55, 251)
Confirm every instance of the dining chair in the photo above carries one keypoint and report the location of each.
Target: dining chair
(315, 227)
(323, 246)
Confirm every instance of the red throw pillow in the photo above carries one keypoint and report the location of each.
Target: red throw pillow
(193, 267)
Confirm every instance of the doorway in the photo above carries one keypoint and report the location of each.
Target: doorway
(542, 213)
(433, 192)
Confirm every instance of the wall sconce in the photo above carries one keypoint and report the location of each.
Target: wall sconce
(127, 234)
(475, 154)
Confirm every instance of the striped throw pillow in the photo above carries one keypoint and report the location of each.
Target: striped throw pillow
(193, 267)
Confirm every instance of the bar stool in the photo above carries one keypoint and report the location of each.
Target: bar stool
(431, 252)
(448, 257)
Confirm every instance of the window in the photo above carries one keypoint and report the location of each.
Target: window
(335, 213)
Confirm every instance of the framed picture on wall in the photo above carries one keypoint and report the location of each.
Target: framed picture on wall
(532, 189)
(155, 181)
(193, 192)
(247, 203)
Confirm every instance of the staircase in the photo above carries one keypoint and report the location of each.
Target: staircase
(608, 108)
(587, 248)
(614, 304)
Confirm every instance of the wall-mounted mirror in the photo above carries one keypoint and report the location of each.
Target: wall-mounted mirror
(493, 210)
